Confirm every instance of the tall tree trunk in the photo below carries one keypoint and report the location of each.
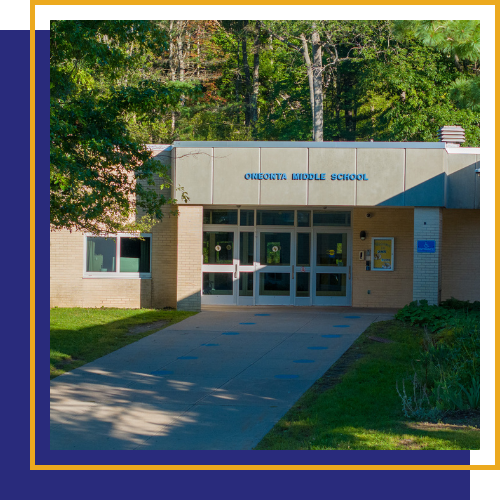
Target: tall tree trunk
(171, 64)
(255, 88)
(237, 82)
(305, 53)
(180, 50)
(318, 85)
(246, 69)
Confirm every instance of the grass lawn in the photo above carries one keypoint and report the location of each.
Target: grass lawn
(355, 406)
(78, 336)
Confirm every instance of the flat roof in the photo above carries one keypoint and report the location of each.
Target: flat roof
(308, 144)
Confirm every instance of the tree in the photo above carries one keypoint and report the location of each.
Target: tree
(458, 40)
(102, 80)
(325, 47)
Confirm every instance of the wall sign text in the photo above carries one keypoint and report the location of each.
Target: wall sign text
(304, 177)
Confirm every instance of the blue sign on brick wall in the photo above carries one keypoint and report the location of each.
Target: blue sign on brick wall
(426, 246)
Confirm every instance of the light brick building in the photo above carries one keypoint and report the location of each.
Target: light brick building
(291, 223)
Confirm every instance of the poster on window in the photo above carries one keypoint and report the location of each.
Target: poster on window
(383, 254)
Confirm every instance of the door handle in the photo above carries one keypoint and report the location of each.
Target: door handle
(235, 271)
(293, 269)
(349, 276)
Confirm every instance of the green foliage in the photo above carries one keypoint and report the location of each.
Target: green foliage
(457, 40)
(420, 313)
(460, 305)
(449, 360)
(100, 173)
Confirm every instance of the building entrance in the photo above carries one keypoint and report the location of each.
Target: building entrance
(276, 257)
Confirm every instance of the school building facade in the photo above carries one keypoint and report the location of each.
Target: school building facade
(292, 223)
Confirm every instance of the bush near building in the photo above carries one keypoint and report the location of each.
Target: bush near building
(446, 377)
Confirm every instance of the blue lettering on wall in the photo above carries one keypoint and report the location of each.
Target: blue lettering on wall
(305, 177)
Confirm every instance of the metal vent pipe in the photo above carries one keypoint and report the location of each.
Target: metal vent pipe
(452, 135)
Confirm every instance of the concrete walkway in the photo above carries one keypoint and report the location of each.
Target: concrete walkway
(219, 380)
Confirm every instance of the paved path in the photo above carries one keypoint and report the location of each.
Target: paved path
(219, 380)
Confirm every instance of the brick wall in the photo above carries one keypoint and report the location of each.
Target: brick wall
(460, 259)
(189, 254)
(68, 288)
(164, 263)
(391, 288)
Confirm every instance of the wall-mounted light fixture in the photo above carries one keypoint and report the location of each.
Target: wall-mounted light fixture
(362, 235)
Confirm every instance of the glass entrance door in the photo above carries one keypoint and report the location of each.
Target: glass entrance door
(219, 267)
(276, 256)
(332, 267)
(275, 267)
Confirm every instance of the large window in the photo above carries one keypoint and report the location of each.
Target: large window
(124, 256)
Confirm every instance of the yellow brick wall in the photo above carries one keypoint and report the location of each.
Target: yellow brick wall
(164, 263)
(68, 288)
(391, 288)
(460, 258)
(189, 254)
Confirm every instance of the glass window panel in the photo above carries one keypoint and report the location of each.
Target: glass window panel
(214, 216)
(302, 280)
(246, 217)
(217, 283)
(330, 285)
(330, 218)
(275, 249)
(101, 255)
(134, 255)
(303, 249)
(246, 284)
(303, 218)
(246, 249)
(275, 217)
(218, 247)
(274, 284)
(331, 249)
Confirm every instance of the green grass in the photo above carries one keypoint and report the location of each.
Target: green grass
(355, 406)
(78, 336)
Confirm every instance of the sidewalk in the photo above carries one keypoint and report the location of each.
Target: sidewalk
(219, 380)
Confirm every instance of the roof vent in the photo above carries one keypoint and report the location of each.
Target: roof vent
(452, 135)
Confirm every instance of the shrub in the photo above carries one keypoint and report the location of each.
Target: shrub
(449, 356)
(420, 313)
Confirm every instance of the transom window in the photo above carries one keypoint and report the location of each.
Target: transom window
(249, 217)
